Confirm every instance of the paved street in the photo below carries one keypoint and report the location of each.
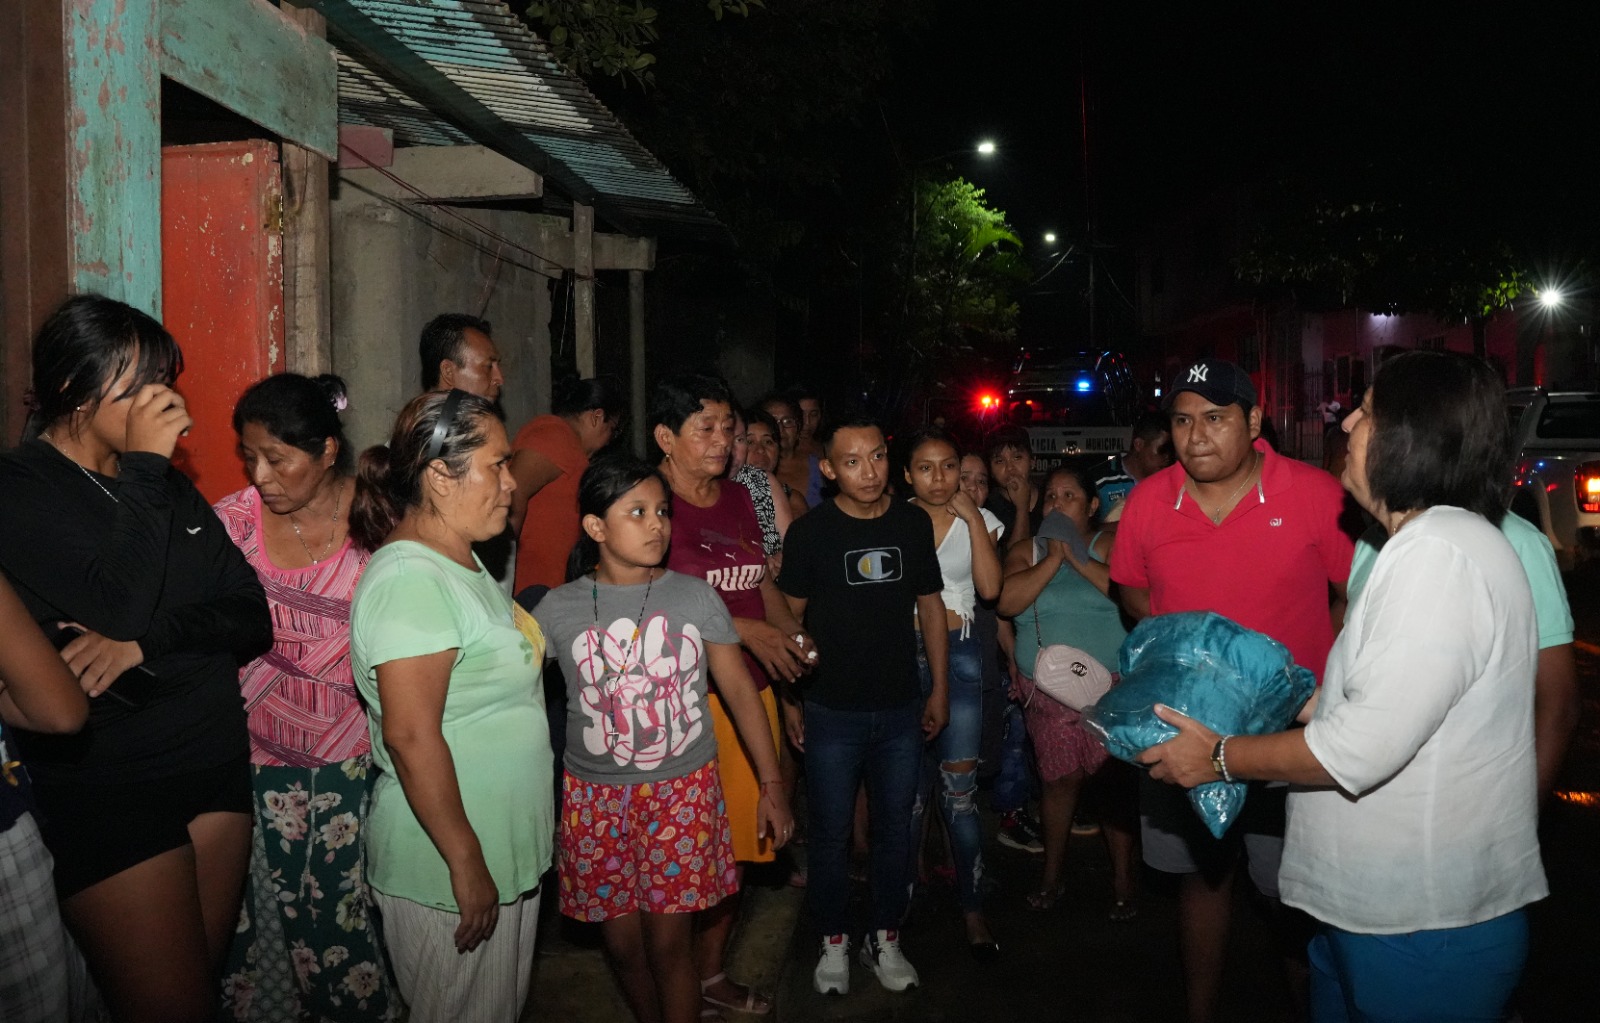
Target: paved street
(1074, 965)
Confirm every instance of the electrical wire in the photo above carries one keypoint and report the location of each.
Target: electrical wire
(439, 205)
(1117, 287)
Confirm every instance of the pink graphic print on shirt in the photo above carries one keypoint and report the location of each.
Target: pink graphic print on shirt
(638, 691)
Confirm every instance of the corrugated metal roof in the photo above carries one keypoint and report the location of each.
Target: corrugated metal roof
(451, 72)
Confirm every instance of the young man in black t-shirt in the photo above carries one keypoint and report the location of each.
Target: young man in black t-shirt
(855, 568)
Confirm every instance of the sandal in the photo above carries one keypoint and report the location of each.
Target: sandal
(754, 1004)
(1124, 910)
(1046, 898)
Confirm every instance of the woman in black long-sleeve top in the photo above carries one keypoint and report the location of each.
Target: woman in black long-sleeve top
(146, 810)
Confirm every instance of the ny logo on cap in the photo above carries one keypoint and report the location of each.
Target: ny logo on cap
(1197, 374)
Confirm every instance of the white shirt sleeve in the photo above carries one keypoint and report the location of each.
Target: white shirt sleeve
(1427, 634)
(992, 523)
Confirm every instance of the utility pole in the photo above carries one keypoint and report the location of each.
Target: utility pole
(1088, 189)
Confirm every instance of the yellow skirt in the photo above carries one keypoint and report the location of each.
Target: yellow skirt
(741, 789)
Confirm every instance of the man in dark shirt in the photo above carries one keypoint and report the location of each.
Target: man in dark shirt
(1149, 453)
(854, 570)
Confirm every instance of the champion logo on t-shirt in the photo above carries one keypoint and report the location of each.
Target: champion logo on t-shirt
(873, 565)
(1275, 523)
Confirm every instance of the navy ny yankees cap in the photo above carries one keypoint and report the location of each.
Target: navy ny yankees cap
(1217, 381)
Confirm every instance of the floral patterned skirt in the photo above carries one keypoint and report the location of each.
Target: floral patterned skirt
(306, 947)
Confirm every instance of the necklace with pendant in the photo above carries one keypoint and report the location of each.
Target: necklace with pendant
(333, 528)
(1216, 518)
(638, 622)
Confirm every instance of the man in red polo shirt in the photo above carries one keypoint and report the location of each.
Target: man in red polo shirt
(1238, 529)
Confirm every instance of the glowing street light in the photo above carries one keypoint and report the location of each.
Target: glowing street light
(1049, 237)
(1550, 297)
(986, 148)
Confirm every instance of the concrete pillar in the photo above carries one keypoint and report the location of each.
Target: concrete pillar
(583, 287)
(371, 265)
(636, 366)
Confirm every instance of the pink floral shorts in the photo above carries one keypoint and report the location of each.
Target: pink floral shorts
(655, 847)
(1061, 744)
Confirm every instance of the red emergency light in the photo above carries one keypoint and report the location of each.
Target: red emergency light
(1588, 487)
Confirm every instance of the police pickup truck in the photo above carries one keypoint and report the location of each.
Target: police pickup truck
(1557, 485)
(1072, 404)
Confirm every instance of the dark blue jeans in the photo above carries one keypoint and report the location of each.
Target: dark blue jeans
(843, 748)
(1014, 783)
(957, 793)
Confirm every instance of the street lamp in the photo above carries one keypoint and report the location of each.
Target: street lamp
(1049, 237)
(985, 148)
(1550, 297)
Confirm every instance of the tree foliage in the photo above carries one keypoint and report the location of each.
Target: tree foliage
(965, 272)
(1383, 248)
(612, 38)
(956, 271)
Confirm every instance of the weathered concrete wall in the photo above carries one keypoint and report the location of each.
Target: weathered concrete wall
(394, 267)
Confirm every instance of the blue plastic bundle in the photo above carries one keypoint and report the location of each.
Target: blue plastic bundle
(1231, 679)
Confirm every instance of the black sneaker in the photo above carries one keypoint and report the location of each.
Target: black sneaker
(1020, 832)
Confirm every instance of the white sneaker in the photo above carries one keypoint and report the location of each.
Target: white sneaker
(881, 954)
(832, 975)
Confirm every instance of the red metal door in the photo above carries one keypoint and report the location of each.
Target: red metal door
(221, 290)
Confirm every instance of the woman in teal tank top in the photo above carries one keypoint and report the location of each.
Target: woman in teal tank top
(1056, 595)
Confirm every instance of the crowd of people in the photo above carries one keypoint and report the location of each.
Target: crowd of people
(302, 754)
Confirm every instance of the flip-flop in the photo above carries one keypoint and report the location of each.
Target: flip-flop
(754, 1004)
(1124, 910)
(1046, 898)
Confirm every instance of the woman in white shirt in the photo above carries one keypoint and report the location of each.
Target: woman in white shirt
(1412, 834)
(965, 536)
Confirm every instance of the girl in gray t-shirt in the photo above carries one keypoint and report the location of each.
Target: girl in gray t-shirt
(644, 837)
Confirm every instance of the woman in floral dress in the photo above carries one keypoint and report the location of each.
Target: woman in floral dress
(306, 946)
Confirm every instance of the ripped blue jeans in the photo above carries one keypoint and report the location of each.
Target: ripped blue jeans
(957, 792)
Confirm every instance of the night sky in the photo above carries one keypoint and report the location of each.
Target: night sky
(1489, 110)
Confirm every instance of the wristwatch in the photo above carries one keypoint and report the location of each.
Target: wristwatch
(1219, 758)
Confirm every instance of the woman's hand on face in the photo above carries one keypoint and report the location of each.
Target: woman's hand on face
(1016, 487)
(778, 653)
(1059, 549)
(1184, 759)
(963, 507)
(98, 661)
(478, 900)
(156, 420)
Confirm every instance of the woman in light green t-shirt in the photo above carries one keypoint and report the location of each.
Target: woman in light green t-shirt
(461, 821)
